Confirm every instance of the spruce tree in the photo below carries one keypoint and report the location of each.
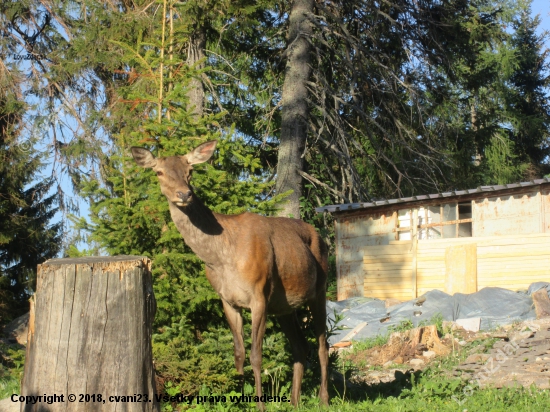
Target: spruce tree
(27, 236)
(527, 103)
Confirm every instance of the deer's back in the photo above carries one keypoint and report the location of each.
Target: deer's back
(285, 257)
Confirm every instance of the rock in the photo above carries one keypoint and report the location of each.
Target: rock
(6, 405)
(388, 364)
(538, 359)
(429, 354)
(398, 360)
(499, 335)
(470, 324)
(420, 301)
(477, 358)
(416, 362)
(462, 343)
(17, 329)
(521, 336)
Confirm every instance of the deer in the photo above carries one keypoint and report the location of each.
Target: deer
(268, 265)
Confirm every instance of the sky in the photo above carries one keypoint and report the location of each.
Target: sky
(542, 8)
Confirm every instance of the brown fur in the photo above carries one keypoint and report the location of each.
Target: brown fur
(265, 264)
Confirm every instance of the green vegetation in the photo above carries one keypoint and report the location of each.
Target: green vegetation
(424, 390)
(11, 369)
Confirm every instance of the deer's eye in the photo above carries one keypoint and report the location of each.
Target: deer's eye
(159, 173)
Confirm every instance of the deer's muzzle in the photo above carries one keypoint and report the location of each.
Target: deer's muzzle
(183, 197)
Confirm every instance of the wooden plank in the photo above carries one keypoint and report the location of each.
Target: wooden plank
(518, 275)
(518, 279)
(519, 247)
(414, 251)
(423, 271)
(512, 239)
(354, 332)
(376, 271)
(516, 267)
(386, 266)
(512, 253)
(514, 259)
(421, 257)
(428, 264)
(404, 274)
(401, 295)
(388, 259)
(388, 282)
(402, 291)
(432, 285)
(388, 249)
(390, 295)
(403, 288)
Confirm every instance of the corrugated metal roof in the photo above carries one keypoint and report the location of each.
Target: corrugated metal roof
(495, 188)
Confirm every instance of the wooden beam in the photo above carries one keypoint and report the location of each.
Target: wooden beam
(461, 269)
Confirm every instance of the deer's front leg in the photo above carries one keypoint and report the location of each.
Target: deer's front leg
(258, 311)
(235, 320)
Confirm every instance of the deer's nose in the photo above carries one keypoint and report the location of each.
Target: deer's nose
(184, 196)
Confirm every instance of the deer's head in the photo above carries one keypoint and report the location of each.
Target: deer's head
(174, 172)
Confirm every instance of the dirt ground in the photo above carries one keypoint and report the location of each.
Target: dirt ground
(517, 354)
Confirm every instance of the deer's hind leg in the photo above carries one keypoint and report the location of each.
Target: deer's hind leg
(319, 312)
(291, 328)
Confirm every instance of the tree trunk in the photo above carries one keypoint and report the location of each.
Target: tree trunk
(195, 53)
(295, 110)
(90, 334)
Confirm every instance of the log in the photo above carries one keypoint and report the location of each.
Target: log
(90, 334)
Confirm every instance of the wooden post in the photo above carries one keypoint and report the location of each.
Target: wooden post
(90, 335)
(461, 269)
(414, 263)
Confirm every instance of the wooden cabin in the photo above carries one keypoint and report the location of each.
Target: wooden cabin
(459, 241)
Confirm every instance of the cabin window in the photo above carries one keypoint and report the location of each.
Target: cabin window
(404, 224)
(448, 220)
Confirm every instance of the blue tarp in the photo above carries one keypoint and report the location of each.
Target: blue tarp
(495, 306)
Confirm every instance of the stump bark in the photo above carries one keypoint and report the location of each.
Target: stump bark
(90, 333)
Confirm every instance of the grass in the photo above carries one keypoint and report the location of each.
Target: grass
(413, 392)
(431, 389)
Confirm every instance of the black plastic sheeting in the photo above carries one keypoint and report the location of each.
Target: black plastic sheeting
(495, 306)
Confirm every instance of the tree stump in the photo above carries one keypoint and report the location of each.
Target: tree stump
(90, 335)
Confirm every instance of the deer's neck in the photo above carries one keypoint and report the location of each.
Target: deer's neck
(202, 231)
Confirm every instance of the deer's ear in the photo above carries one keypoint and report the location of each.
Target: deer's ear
(201, 153)
(143, 157)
